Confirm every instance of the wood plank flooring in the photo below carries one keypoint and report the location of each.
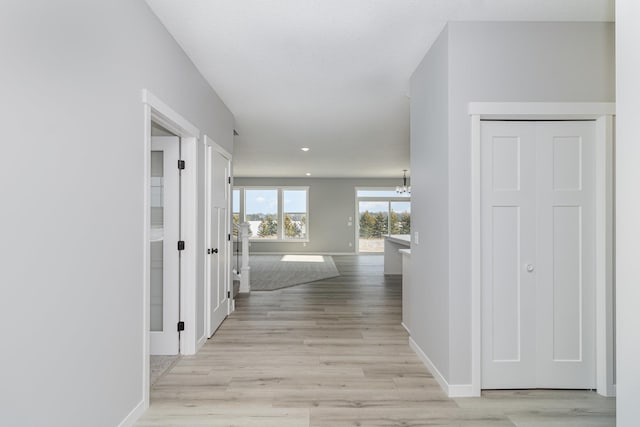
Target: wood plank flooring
(333, 353)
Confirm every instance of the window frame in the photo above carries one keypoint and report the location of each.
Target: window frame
(280, 236)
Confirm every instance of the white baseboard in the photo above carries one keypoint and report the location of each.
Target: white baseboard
(461, 390)
(201, 341)
(452, 390)
(303, 253)
(430, 366)
(133, 416)
(611, 391)
(406, 329)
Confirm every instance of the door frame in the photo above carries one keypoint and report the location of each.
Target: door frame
(228, 244)
(603, 114)
(159, 112)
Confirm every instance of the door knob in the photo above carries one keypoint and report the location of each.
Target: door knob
(530, 268)
(214, 251)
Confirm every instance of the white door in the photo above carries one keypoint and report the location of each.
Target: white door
(538, 255)
(218, 244)
(165, 232)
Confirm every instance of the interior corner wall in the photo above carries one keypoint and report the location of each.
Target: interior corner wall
(627, 212)
(429, 267)
(503, 62)
(331, 202)
(72, 201)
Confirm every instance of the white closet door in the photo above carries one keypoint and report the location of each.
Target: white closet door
(566, 255)
(538, 255)
(508, 247)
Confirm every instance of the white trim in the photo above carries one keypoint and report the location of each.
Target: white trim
(201, 341)
(541, 110)
(604, 256)
(602, 113)
(146, 258)
(157, 111)
(168, 118)
(461, 390)
(452, 390)
(135, 413)
(430, 365)
(476, 267)
(406, 328)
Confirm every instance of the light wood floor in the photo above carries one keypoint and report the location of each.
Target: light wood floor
(333, 354)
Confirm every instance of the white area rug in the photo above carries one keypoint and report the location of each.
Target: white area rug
(269, 272)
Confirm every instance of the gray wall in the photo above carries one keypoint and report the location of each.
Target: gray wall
(429, 309)
(71, 306)
(565, 62)
(331, 202)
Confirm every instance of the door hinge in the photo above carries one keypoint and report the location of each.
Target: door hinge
(228, 294)
(180, 326)
(181, 245)
(229, 237)
(181, 164)
(229, 178)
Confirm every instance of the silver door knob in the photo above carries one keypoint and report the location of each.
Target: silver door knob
(530, 268)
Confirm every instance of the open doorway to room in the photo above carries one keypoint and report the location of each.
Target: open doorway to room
(170, 239)
(381, 212)
(165, 214)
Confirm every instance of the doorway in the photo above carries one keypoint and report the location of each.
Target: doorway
(181, 239)
(380, 212)
(538, 255)
(165, 213)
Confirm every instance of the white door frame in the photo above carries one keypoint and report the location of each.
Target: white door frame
(603, 114)
(228, 244)
(159, 112)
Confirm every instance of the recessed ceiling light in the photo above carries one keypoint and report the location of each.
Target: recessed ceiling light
(305, 148)
(308, 173)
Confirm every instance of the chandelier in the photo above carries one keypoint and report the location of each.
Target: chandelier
(404, 189)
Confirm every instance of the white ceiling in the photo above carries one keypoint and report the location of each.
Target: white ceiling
(331, 75)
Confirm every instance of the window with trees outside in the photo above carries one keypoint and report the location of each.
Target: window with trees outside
(381, 212)
(273, 213)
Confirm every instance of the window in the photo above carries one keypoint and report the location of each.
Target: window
(261, 212)
(295, 214)
(273, 214)
(381, 211)
(235, 200)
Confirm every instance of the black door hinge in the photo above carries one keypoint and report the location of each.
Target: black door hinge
(181, 164)
(229, 237)
(181, 245)
(180, 326)
(228, 294)
(229, 180)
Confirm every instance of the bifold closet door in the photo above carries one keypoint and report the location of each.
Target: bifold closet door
(538, 254)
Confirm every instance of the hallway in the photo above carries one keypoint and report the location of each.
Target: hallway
(333, 353)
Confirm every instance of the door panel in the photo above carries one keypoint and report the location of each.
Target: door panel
(538, 255)
(165, 231)
(508, 221)
(218, 223)
(566, 255)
